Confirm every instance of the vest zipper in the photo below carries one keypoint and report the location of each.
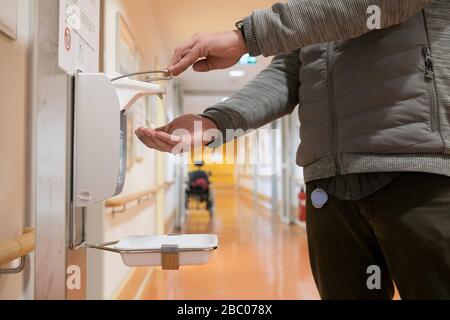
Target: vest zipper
(430, 79)
(332, 103)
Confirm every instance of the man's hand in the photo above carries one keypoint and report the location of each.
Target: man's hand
(179, 136)
(215, 50)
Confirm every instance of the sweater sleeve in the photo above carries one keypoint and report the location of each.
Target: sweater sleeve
(271, 95)
(299, 23)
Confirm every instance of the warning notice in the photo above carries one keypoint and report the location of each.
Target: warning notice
(79, 35)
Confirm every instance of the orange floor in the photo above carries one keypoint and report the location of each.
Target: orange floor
(258, 258)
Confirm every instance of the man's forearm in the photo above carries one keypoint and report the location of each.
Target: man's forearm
(299, 23)
(271, 95)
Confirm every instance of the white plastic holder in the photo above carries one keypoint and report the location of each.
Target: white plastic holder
(168, 251)
(101, 105)
(100, 128)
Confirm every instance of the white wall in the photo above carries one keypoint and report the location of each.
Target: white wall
(263, 181)
(13, 146)
(259, 177)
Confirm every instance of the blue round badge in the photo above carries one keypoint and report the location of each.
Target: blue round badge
(319, 198)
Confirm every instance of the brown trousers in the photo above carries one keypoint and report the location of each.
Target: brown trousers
(400, 235)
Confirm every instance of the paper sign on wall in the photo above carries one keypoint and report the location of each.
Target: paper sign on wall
(79, 35)
(8, 18)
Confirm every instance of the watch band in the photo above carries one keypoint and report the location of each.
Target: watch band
(240, 26)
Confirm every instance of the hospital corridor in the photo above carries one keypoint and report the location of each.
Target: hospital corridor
(185, 152)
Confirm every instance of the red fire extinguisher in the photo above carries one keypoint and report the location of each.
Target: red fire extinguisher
(302, 205)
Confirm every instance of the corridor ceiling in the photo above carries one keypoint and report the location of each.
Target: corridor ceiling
(178, 20)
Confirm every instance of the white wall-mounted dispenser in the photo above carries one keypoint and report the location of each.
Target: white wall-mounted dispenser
(101, 106)
(100, 133)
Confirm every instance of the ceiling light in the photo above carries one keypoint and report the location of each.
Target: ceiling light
(237, 73)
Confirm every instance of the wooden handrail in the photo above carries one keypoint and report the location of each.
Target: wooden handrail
(139, 197)
(11, 250)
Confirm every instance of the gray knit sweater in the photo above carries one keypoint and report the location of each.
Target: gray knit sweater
(286, 27)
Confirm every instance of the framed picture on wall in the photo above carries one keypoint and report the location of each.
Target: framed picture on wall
(128, 61)
(127, 53)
